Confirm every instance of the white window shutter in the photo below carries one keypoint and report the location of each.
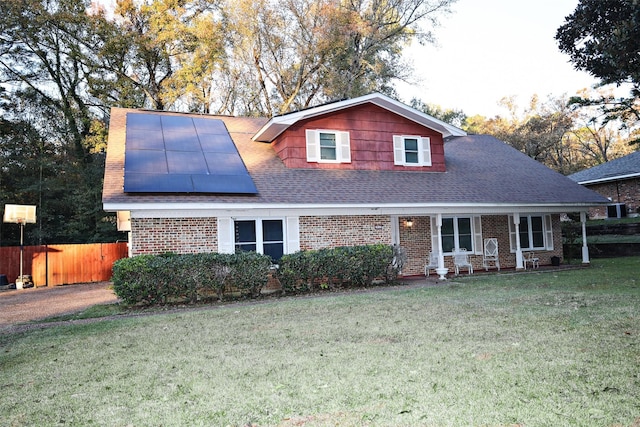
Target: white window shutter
(512, 234)
(398, 150)
(293, 235)
(225, 236)
(313, 145)
(343, 147)
(477, 235)
(434, 235)
(426, 151)
(548, 230)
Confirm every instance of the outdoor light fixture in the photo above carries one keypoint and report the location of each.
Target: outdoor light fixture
(408, 223)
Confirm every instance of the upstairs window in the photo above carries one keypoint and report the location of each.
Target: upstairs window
(411, 150)
(328, 146)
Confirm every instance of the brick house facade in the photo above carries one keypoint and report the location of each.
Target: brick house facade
(354, 172)
(618, 180)
(624, 191)
(194, 235)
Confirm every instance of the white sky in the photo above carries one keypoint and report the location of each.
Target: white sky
(489, 49)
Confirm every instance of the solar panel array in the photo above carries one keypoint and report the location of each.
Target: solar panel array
(182, 154)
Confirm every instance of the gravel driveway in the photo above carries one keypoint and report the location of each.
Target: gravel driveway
(24, 305)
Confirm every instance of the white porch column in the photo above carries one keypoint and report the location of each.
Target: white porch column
(441, 270)
(585, 248)
(516, 224)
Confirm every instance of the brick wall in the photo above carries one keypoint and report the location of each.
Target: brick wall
(194, 235)
(416, 241)
(317, 232)
(627, 192)
(179, 235)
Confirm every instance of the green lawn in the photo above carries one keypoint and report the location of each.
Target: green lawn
(534, 349)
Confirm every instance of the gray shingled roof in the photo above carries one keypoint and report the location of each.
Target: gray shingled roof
(623, 167)
(480, 170)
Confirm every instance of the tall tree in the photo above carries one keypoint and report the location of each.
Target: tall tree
(53, 132)
(603, 38)
(160, 54)
(296, 53)
(454, 117)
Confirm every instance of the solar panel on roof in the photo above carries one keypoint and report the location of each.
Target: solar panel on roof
(145, 139)
(145, 161)
(182, 154)
(143, 121)
(158, 183)
(212, 143)
(210, 126)
(187, 162)
(181, 141)
(222, 183)
(177, 124)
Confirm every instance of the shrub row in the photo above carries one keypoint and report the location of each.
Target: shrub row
(168, 278)
(172, 278)
(337, 267)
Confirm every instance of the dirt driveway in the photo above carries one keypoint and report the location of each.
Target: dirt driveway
(24, 305)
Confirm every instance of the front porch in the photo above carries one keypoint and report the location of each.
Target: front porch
(516, 235)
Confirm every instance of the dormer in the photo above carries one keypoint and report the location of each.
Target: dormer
(372, 132)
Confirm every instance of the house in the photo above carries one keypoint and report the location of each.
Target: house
(619, 181)
(360, 171)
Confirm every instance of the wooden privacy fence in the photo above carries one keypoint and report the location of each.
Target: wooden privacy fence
(62, 264)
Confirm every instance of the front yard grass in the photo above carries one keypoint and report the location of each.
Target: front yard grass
(544, 348)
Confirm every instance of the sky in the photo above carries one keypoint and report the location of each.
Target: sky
(489, 49)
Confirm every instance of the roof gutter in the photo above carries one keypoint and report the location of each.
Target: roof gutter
(609, 179)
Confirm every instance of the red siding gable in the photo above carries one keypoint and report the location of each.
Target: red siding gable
(371, 130)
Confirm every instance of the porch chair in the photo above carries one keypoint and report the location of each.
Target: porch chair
(461, 260)
(531, 258)
(490, 253)
(432, 263)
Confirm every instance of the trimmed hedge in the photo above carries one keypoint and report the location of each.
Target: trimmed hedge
(342, 266)
(161, 279)
(172, 278)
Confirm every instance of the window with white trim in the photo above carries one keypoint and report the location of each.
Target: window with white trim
(328, 146)
(458, 233)
(264, 236)
(411, 150)
(536, 232)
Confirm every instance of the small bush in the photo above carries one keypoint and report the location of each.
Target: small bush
(250, 272)
(134, 280)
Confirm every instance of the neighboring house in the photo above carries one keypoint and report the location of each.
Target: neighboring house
(619, 181)
(360, 171)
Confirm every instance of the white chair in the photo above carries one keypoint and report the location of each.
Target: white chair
(461, 260)
(531, 258)
(490, 253)
(432, 263)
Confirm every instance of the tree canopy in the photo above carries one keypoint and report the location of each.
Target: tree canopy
(603, 39)
(64, 63)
